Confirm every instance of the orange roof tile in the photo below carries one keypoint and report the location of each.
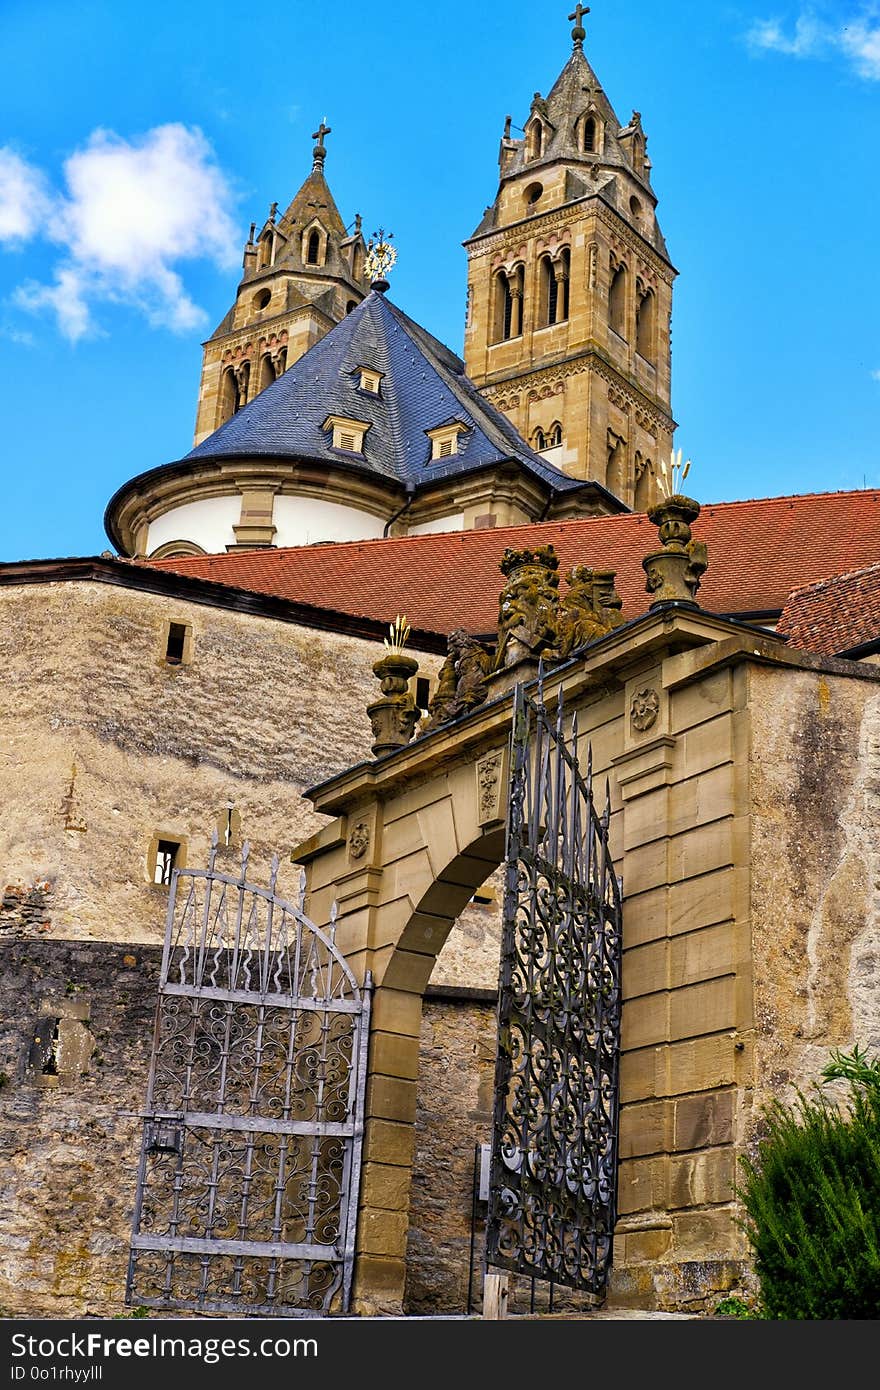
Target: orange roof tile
(759, 551)
(837, 615)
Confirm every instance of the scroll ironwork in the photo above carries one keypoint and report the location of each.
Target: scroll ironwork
(553, 1177)
(250, 1157)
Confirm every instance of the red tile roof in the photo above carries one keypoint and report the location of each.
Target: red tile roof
(835, 616)
(759, 551)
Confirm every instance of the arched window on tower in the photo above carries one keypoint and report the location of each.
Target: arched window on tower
(547, 292)
(539, 440)
(644, 473)
(563, 281)
(615, 474)
(535, 140)
(507, 288)
(617, 300)
(638, 153)
(267, 244)
(230, 399)
(590, 135)
(267, 372)
(553, 289)
(314, 247)
(554, 435)
(645, 321)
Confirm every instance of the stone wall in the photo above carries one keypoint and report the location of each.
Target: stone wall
(106, 746)
(75, 1035)
(815, 793)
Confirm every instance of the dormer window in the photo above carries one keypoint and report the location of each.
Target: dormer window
(445, 439)
(370, 380)
(348, 435)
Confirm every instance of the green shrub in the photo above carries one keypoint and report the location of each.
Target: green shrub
(812, 1200)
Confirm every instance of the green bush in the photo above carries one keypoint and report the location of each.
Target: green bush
(812, 1200)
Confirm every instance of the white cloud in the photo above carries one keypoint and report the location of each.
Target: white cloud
(862, 42)
(858, 40)
(24, 197)
(807, 39)
(131, 212)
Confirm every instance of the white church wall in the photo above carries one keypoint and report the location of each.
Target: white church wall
(306, 520)
(442, 523)
(208, 523)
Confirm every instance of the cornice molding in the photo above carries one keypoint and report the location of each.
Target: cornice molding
(542, 223)
(497, 392)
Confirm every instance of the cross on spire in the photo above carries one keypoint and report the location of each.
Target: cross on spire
(579, 33)
(320, 152)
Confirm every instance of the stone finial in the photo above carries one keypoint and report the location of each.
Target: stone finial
(674, 573)
(579, 33)
(394, 717)
(590, 609)
(461, 684)
(319, 154)
(527, 609)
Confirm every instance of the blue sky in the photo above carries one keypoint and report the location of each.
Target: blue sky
(137, 143)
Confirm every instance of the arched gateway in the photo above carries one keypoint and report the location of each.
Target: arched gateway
(702, 726)
(725, 754)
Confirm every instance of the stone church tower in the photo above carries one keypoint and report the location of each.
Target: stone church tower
(570, 290)
(303, 273)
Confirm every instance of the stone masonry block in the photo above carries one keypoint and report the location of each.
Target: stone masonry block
(645, 1129)
(702, 1179)
(645, 1021)
(644, 915)
(397, 1011)
(645, 969)
(385, 1186)
(704, 1008)
(706, 1235)
(394, 1056)
(701, 700)
(642, 1185)
(703, 1120)
(648, 1245)
(708, 745)
(388, 1142)
(382, 1232)
(702, 955)
(389, 1098)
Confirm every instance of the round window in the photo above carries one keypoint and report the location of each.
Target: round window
(261, 298)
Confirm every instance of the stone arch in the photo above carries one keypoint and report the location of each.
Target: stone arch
(176, 548)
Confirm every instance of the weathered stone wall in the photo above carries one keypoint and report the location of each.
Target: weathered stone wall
(105, 745)
(453, 1115)
(815, 794)
(76, 1021)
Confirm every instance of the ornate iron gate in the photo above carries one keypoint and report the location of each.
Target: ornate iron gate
(250, 1159)
(553, 1176)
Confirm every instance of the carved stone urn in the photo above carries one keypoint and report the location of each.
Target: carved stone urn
(395, 715)
(674, 573)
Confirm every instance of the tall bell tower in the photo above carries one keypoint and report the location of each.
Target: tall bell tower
(570, 289)
(302, 272)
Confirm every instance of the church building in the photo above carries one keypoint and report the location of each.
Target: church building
(304, 679)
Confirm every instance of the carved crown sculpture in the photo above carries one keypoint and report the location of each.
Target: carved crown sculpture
(674, 573)
(394, 716)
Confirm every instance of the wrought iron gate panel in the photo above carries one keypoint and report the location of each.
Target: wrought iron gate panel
(553, 1176)
(250, 1157)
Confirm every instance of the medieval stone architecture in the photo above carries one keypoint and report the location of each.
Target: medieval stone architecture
(311, 665)
(302, 272)
(570, 290)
